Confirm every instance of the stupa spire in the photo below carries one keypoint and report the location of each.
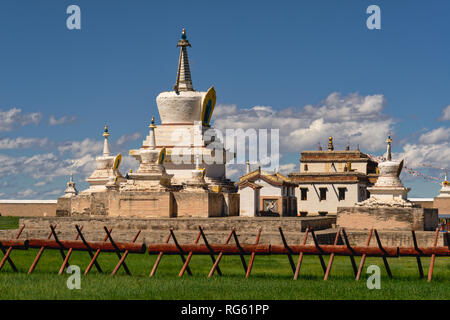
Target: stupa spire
(106, 150)
(152, 126)
(184, 81)
(389, 142)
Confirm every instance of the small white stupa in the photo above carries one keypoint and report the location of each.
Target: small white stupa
(388, 190)
(107, 173)
(445, 190)
(197, 182)
(70, 191)
(151, 175)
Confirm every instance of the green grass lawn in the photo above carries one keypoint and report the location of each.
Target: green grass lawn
(9, 223)
(271, 278)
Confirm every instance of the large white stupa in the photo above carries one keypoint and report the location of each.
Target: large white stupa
(185, 132)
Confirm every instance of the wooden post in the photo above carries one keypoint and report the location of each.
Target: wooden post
(330, 261)
(363, 258)
(433, 256)
(300, 256)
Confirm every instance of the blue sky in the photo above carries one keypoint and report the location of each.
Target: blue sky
(282, 55)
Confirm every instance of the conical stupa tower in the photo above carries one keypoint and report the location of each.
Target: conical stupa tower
(184, 80)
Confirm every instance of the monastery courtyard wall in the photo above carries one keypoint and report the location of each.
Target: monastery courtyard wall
(154, 230)
(28, 208)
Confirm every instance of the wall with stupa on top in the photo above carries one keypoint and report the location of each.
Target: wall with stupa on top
(388, 208)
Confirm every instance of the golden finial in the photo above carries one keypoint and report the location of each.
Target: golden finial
(106, 133)
(131, 170)
(330, 144)
(389, 140)
(152, 125)
(445, 183)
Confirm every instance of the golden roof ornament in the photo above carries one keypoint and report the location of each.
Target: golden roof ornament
(445, 183)
(106, 133)
(152, 124)
(330, 144)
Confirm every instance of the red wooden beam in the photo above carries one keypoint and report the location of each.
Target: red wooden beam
(8, 252)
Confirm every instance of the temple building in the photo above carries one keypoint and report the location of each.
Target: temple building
(332, 178)
(266, 194)
(181, 163)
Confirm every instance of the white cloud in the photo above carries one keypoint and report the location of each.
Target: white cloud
(64, 119)
(354, 118)
(12, 118)
(289, 168)
(127, 138)
(21, 143)
(426, 155)
(445, 113)
(440, 134)
(26, 193)
(82, 148)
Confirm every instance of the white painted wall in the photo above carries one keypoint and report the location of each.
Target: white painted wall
(269, 190)
(249, 202)
(313, 205)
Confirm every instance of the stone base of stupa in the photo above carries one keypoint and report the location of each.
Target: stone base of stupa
(148, 204)
(387, 218)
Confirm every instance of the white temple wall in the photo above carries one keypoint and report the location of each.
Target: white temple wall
(249, 202)
(313, 204)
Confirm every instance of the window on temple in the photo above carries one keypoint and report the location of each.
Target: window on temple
(304, 194)
(341, 193)
(305, 167)
(323, 194)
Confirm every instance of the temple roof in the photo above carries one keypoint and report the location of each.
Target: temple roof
(246, 183)
(276, 179)
(331, 177)
(335, 155)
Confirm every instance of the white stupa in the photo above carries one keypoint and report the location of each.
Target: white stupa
(445, 190)
(107, 175)
(151, 174)
(70, 191)
(388, 190)
(185, 116)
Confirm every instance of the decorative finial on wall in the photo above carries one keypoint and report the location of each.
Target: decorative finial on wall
(330, 144)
